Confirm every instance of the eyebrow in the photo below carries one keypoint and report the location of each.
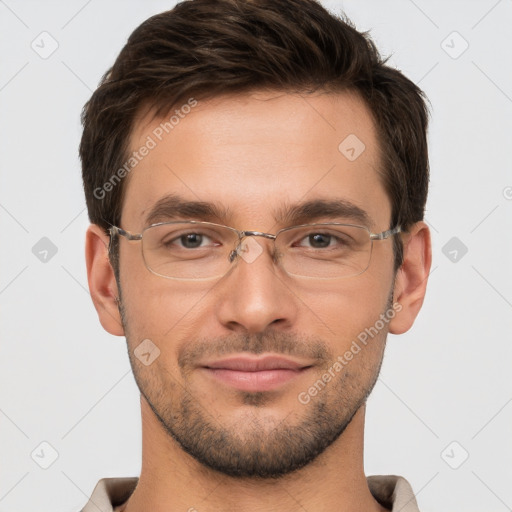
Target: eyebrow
(328, 209)
(174, 207)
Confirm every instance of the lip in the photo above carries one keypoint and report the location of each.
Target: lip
(255, 373)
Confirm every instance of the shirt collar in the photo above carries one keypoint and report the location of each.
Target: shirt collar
(391, 491)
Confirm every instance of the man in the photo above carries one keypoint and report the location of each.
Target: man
(256, 179)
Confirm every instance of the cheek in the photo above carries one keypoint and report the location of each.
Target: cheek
(167, 312)
(356, 335)
(344, 309)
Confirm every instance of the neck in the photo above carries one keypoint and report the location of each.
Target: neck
(172, 480)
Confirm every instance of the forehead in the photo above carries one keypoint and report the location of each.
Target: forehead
(256, 154)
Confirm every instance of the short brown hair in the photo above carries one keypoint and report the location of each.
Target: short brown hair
(207, 48)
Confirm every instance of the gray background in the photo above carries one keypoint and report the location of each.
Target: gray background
(445, 391)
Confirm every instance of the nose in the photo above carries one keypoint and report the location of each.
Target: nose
(255, 294)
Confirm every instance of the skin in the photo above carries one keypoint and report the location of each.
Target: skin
(254, 153)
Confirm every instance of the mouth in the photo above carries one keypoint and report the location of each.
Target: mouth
(254, 374)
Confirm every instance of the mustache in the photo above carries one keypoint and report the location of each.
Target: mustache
(276, 342)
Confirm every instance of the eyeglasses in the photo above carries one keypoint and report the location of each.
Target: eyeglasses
(196, 250)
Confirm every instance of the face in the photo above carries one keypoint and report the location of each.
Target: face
(240, 378)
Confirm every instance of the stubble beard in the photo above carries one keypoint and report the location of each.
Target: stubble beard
(257, 446)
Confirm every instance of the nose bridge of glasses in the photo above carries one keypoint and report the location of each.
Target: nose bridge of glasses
(244, 234)
(241, 246)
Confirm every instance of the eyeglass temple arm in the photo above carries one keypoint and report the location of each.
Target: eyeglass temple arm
(386, 234)
(114, 230)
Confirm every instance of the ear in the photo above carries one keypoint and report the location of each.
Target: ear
(101, 278)
(412, 276)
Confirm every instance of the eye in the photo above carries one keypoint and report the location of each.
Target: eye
(189, 241)
(319, 240)
(192, 240)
